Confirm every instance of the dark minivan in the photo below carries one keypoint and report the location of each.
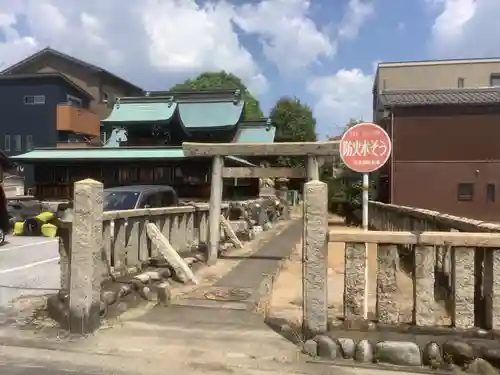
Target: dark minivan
(139, 196)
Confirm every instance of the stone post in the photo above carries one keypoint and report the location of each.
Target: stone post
(312, 168)
(85, 269)
(424, 302)
(462, 263)
(215, 210)
(315, 258)
(64, 234)
(492, 288)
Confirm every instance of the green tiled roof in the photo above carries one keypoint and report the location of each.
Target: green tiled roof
(255, 132)
(140, 110)
(210, 115)
(196, 109)
(102, 153)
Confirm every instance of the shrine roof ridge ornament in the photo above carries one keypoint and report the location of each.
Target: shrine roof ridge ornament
(201, 96)
(145, 99)
(263, 122)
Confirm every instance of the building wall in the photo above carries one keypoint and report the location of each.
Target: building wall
(37, 122)
(447, 133)
(436, 76)
(434, 185)
(435, 150)
(19, 119)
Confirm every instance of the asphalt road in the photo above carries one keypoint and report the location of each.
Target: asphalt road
(28, 266)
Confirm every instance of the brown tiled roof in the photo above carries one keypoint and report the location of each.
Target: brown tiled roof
(19, 65)
(412, 98)
(13, 77)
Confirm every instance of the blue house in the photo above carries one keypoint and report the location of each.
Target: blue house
(42, 110)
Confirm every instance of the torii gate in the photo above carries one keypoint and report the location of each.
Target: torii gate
(315, 243)
(313, 151)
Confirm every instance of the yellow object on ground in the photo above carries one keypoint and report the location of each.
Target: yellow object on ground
(19, 228)
(49, 230)
(45, 217)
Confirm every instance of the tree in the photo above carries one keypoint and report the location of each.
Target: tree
(294, 122)
(223, 80)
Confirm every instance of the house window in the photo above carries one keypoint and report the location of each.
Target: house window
(18, 146)
(6, 144)
(490, 193)
(110, 100)
(29, 142)
(495, 80)
(460, 83)
(34, 99)
(465, 192)
(73, 100)
(104, 138)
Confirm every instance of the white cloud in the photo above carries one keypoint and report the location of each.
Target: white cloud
(464, 28)
(140, 40)
(159, 42)
(346, 94)
(186, 37)
(283, 27)
(174, 37)
(358, 11)
(14, 46)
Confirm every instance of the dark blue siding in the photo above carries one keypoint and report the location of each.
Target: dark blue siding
(37, 120)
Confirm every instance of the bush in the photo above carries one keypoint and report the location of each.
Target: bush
(345, 194)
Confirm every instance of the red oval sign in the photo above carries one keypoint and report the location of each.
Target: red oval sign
(365, 147)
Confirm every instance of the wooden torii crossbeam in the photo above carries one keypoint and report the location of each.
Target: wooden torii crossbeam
(312, 150)
(330, 148)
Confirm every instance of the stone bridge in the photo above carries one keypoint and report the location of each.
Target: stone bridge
(453, 263)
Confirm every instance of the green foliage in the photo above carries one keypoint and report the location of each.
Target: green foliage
(294, 122)
(223, 80)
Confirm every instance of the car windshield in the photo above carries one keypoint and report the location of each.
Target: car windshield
(120, 200)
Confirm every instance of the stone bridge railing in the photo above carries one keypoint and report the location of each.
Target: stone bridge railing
(437, 244)
(105, 256)
(383, 216)
(479, 262)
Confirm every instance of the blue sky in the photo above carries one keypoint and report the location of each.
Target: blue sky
(322, 51)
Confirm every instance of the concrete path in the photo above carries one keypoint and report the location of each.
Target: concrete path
(249, 281)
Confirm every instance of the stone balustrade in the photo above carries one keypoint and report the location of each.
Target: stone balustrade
(461, 247)
(384, 216)
(479, 259)
(106, 256)
(474, 290)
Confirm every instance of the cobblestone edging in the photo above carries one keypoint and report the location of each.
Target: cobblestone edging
(456, 355)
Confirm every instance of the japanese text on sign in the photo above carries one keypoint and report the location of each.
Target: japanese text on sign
(376, 148)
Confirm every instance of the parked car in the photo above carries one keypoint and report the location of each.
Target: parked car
(4, 216)
(129, 198)
(139, 196)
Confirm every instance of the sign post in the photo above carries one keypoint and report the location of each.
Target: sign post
(365, 148)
